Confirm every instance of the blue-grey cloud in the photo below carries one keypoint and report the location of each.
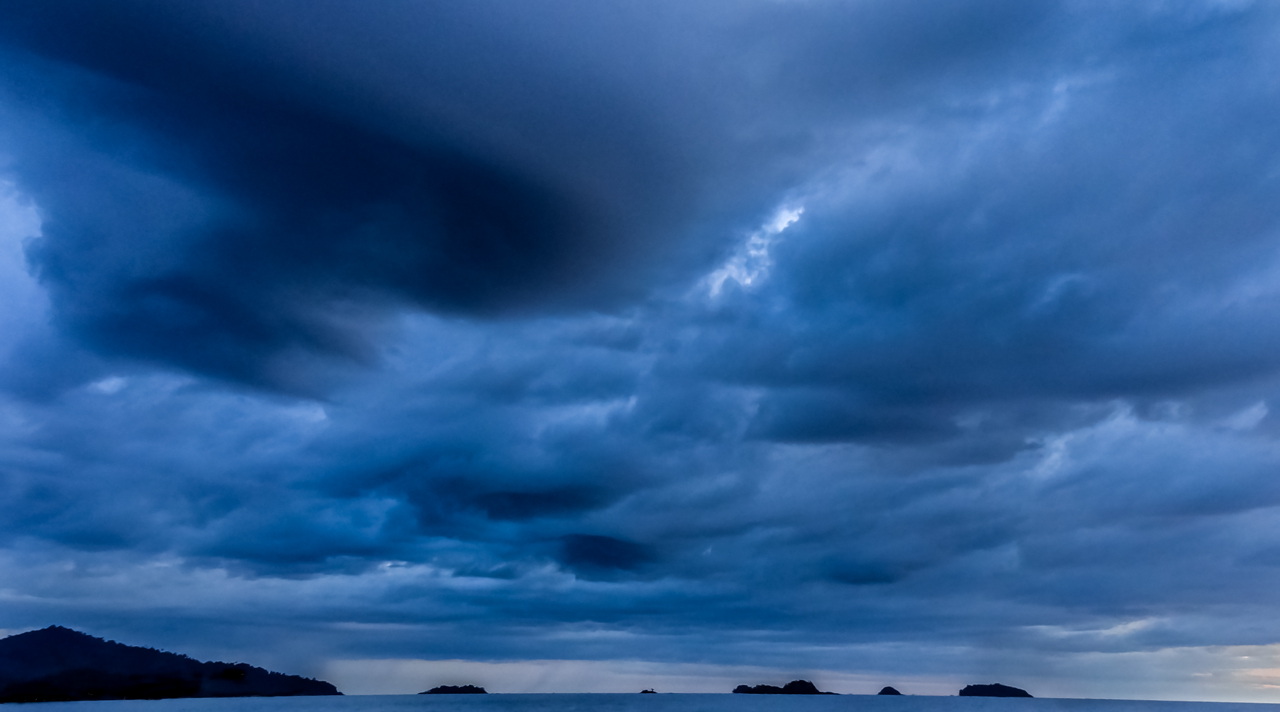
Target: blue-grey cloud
(932, 339)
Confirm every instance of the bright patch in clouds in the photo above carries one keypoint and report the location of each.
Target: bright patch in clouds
(109, 385)
(751, 263)
(23, 305)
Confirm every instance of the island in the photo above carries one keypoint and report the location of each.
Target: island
(795, 687)
(648, 692)
(58, 664)
(993, 690)
(888, 691)
(455, 690)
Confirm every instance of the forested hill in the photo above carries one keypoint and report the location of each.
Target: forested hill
(58, 663)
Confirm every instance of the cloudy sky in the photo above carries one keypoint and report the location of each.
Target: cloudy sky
(577, 346)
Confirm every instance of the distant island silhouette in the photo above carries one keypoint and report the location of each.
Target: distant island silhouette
(795, 687)
(455, 690)
(58, 664)
(648, 692)
(993, 690)
(888, 691)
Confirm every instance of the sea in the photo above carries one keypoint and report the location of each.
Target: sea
(634, 702)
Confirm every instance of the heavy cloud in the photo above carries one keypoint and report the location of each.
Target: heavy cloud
(841, 335)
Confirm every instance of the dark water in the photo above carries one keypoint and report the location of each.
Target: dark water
(639, 703)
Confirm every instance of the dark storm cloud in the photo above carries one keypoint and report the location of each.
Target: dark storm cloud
(926, 337)
(592, 552)
(228, 190)
(215, 209)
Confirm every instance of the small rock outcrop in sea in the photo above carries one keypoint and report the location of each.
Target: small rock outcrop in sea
(648, 692)
(62, 665)
(455, 690)
(795, 687)
(888, 691)
(993, 690)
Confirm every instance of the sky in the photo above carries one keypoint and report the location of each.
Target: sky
(566, 346)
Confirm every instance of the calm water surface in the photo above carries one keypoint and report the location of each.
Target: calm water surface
(638, 703)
